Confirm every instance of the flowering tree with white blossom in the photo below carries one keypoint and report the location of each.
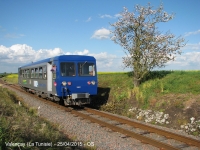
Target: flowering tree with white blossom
(145, 46)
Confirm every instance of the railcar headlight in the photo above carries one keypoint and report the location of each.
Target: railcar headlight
(93, 82)
(64, 83)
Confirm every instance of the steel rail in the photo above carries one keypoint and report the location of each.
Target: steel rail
(137, 136)
(187, 140)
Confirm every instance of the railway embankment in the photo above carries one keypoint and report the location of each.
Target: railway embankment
(21, 126)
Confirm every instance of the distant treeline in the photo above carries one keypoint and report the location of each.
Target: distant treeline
(5, 74)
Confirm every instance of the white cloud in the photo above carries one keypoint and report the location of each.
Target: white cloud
(186, 61)
(89, 19)
(104, 59)
(101, 34)
(106, 16)
(117, 15)
(23, 53)
(189, 46)
(192, 33)
(109, 16)
(108, 62)
(85, 52)
(17, 55)
(13, 36)
(47, 53)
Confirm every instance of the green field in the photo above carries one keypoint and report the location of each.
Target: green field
(11, 78)
(157, 86)
(117, 94)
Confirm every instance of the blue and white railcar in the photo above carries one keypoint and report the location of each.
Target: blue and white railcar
(68, 78)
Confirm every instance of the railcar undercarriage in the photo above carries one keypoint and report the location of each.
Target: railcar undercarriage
(74, 99)
(77, 101)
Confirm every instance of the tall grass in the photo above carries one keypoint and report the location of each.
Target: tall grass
(20, 124)
(154, 85)
(176, 82)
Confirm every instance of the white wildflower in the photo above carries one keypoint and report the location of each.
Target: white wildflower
(192, 120)
(182, 126)
(192, 130)
(141, 114)
(146, 113)
(151, 117)
(166, 116)
(163, 120)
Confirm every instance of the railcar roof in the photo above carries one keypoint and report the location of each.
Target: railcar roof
(63, 58)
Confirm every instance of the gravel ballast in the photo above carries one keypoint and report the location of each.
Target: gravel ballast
(79, 129)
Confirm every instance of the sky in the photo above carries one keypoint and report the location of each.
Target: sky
(33, 30)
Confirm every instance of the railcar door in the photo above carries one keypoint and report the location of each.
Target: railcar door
(49, 77)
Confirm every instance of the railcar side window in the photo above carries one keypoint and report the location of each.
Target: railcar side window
(44, 72)
(36, 72)
(86, 69)
(54, 75)
(32, 73)
(40, 72)
(20, 72)
(27, 73)
(67, 69)
(23, 73)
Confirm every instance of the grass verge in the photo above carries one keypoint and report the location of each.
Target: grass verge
(20, 124)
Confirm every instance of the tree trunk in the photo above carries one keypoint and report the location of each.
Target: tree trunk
(136, 82)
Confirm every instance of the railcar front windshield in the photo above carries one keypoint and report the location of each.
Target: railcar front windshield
(86, 69)
(67, 69)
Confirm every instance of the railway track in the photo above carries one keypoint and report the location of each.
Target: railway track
(145, 130)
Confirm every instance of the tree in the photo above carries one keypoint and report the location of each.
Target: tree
(144, 45)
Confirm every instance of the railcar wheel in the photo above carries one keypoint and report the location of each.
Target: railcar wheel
(37, 93)
(61, 102)
(66, 103)
(55, 98)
